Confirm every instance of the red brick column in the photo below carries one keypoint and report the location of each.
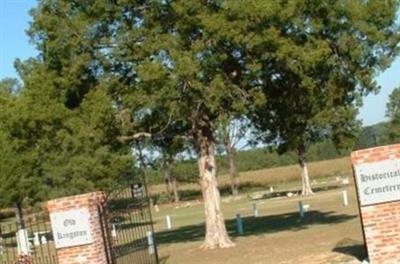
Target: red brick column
(381, 222)
(93, 253)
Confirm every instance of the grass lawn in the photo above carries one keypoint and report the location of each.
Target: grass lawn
(329, 233)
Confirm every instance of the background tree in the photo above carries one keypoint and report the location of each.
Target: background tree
(393, 113)
(317, 58)
(229, 132)
(169, 147)
(49, 150)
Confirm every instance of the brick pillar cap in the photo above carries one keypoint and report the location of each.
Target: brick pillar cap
(84, 199)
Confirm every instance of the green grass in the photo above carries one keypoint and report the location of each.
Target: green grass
(329, 230)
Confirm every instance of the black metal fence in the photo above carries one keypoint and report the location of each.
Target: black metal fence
(38, 240)
(126, 223)
(129, 227)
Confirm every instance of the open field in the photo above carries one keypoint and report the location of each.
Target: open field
(279, 177)
(329, 233)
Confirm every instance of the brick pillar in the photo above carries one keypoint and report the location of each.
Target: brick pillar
(93, 252)
(381, 220)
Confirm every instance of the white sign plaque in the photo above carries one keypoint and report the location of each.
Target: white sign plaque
(378, 182)
(71, 228)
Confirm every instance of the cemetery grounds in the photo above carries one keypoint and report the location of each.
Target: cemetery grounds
(329, 233)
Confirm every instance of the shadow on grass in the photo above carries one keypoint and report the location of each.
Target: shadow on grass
(255, 226)
(352, 248)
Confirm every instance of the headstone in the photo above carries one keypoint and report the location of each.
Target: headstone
(137, 191)
(377, 178)
(345, 181)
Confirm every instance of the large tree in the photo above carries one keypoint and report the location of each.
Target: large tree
(160, 56)
(317, 59)
(185, 70)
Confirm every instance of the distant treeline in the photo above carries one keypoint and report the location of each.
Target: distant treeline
(252, 159)
(376, 135)
(261, 158)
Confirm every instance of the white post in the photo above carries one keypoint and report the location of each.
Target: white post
(168, 221)
(239, 224)
(345, 199)
(114, 231)
(271, 189)
(43, 239)
(301, 209)
(22, 242)
(255, 210)
(150, 241)
(36, 239)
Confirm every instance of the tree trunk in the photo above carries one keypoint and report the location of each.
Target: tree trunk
(19, 215)
(305, 179)
(167, 177)
(171, 181)
(216, 234)
(232, 168)
(174, 185)
(145, 176)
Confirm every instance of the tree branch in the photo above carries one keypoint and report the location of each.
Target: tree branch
(125, 139)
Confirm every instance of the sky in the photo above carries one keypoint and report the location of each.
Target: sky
(14, 43)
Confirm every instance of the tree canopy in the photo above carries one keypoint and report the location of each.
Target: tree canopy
(393, 112)
(112, 72)
(48, 150)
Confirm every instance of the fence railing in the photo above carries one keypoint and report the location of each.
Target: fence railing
(131, 228)
(34, 243)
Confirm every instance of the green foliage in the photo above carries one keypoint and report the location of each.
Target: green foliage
(393, 112)
(316, 60)
(380, 134)
(48, 150)
(173, 68)
(88, 156)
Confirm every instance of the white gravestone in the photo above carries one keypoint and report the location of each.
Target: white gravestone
(71, 228)
(378, 182)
